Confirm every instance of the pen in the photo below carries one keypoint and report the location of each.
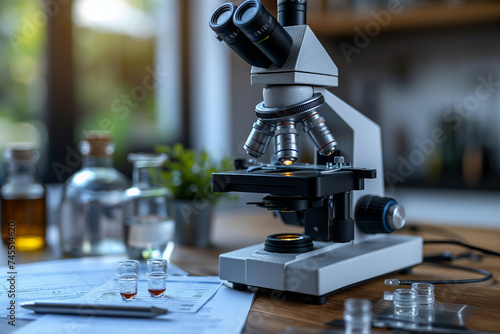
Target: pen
(100, 310)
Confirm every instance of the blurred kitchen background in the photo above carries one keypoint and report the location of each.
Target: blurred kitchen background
(151, 72)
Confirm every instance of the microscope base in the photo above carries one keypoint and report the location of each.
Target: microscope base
(327, 268)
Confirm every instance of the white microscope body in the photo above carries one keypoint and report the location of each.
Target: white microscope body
(329, 266)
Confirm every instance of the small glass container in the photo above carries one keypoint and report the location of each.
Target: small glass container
(157, 277)
(405, 302)
(149, 229)
(426, 299)
(425, 293)
(23, 205)
(128, 277)
(92, 210)
(357, 316)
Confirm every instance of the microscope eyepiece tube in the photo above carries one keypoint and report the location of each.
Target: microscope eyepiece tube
(222, 24)
(255, 21)
(287, 146)
(292, 12)
(315, 126)
(259, 138)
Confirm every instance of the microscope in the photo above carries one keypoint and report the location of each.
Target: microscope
(340, 203)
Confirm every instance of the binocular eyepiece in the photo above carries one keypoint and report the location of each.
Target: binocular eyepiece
(254, 34)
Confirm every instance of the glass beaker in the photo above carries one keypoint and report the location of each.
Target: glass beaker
(149, 229)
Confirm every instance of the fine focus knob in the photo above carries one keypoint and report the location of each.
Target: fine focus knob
(376, 214)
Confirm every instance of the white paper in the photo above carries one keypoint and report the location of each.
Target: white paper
(225, 312)
(58, 280)
(182, 294)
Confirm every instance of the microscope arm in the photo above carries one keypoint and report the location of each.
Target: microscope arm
(359, 139)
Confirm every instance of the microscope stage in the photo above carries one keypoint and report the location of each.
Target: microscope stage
(292, 182)
(326, 269)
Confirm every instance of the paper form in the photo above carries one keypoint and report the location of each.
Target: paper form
(225, 313)
(182, 294)
(59, 280)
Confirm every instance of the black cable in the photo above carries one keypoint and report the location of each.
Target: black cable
(437, 260)
(487, 275)
(444, 232)
(460, 243)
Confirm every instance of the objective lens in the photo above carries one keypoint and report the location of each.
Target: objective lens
(292, 12)
(261, 28)
(222, 24)
(287, 148)
(315, 126)
(259, 138)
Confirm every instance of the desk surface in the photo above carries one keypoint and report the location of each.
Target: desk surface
(272, 312)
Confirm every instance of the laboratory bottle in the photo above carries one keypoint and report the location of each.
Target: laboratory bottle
(92, 210)
(23, 206)
(149, 228)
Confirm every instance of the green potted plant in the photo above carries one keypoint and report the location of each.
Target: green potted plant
(188, 176)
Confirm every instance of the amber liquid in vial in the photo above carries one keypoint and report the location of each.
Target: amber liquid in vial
(156, 292)
(128, 295)
(28, 217)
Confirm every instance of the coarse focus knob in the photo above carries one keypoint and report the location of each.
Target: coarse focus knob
(376, 214)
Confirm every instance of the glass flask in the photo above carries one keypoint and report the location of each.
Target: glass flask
(149, 229)
(23, 206)
(92, 210)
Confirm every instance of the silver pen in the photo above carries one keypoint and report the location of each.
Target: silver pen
(95, 309)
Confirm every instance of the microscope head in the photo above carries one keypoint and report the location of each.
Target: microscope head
(308, 64)
(296, 63)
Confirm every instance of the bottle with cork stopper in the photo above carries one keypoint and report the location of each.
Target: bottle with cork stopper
(92, 210)
(23, 205)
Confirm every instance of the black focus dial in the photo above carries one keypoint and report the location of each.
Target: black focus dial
(376, 214)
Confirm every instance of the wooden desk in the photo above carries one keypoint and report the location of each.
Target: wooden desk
(272, 312)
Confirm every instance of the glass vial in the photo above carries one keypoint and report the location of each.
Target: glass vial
(425, 293)
(405, 302)
(426, 299)
(92, 208)
(357, 316)
(149, 229)
(128, 279)
(23, 206)
(157, 277)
